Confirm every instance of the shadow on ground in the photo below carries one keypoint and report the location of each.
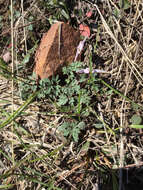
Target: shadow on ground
(132, 179)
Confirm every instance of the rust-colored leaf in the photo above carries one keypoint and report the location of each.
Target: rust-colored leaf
(84, 30)
(58, 47)
(89, 14)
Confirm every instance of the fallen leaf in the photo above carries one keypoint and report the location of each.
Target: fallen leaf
(57, 48)
(84, 30)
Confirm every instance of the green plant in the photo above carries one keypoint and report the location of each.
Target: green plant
(124, 4)
(59, 9)
(72, 128)
(72, 94)
(70, 91)
(136, 121)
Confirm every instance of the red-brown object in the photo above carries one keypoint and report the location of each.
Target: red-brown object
(84, 30)
(57, 48)
(89, 14)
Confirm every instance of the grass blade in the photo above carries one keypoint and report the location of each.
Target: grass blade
(19, 110)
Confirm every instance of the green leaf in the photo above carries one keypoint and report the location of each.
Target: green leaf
(124, 4)
(26, 59)
(62, 100)
(63, 13)
(137, 126)
(85, 146)
(17, 14)
(31, 18)
(136, 120)
(30, 27)
(65, 128)
(85, 112)
(41, 95)
(75, 133)
(9, 186)
(135, 106)
(116, 12)
(3, 65)
(81, 125)
(76, 130)
(71, 101)
(98, 125)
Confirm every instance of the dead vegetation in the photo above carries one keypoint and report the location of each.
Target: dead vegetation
(108, 153)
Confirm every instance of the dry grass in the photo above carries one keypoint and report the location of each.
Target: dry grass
(34, 154)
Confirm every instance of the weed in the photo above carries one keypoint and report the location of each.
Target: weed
(71, 93)
(59, 9)
(73, 129)
(72, 90)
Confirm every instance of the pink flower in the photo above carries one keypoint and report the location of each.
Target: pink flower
(87, 71)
